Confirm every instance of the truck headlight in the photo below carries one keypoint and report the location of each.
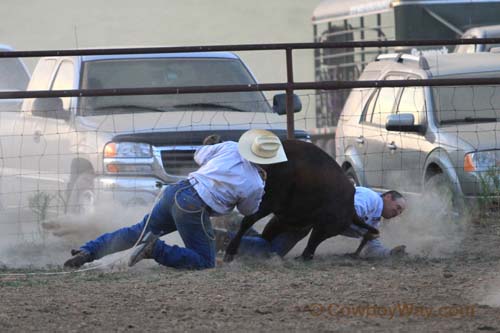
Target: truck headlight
(127, 150)
(128, 158)
(481, 161)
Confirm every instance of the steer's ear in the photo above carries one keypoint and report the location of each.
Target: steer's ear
(212, 139)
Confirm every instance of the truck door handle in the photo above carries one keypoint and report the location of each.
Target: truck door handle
(392, 146)
(37, 135)
(360, 139)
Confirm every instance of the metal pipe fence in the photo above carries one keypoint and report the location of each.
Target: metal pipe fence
(289, 86)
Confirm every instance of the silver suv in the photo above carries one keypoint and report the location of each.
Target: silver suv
(413, 138)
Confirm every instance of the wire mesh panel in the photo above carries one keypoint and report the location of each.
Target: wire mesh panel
(80, 143)
(65, 158)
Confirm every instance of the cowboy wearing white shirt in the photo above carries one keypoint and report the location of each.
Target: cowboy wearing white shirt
(229, 176)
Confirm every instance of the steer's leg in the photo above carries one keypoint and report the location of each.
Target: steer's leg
(273, 228)
(246, 223)
(318, 235)
(282, 235)
(356, 220)
(370, 234)
(360, 247)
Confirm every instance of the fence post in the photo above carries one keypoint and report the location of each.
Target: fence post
(290, 124)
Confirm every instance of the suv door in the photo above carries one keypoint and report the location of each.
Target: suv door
(407, 150)
(399, 147)
(373, 134)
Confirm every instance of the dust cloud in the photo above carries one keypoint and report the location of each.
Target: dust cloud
(492, 297)
(427, 228)
(50, 246)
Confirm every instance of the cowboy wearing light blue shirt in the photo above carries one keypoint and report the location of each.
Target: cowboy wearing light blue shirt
(230, 175)
(370, 206)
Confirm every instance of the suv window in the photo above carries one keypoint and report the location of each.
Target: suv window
(413, 101)
(467, 104)
(382, 103)
(64, 80)
(368, 112)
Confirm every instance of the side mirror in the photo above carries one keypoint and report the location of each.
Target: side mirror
(279, 104)
(403, 122)
(50, 108)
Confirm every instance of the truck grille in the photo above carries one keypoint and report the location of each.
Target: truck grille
(178, 161)
(177, 147)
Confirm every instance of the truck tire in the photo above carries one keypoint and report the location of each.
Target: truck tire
(82, 197)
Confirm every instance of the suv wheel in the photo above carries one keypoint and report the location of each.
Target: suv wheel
(82, 199)
(453, 202)
(351, 174)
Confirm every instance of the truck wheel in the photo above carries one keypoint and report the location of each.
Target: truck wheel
(440, 185)
(351, 174)
(82, 196)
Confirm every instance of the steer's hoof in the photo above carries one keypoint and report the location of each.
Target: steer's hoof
(228, 257)
(352, 255)
(305, 257)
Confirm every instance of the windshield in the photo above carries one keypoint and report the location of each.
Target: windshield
(466, 104)
(168, 72)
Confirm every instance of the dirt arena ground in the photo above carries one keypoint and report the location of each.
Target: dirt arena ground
(457, 292)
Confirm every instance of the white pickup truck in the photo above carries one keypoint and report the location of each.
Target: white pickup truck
(83, 150)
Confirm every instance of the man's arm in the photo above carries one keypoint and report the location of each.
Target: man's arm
(204, 153)
(250, 204)
(375, 249)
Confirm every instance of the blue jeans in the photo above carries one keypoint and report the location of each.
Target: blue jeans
(179, 208)
(280, 245)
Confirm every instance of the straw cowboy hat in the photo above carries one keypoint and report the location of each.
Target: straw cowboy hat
(261, 147)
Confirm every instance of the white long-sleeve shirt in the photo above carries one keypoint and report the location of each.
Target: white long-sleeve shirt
(225, 179)
(368, 205)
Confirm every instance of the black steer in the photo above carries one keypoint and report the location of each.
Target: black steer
(309, 191)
